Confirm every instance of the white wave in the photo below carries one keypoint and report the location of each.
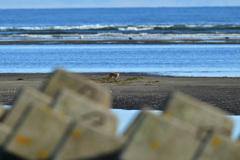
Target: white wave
(116, 26)
(142, 27)
(97, 26)
(83, 27)
(200, 25)
(34, 36)
(79, 27)
(164, 26)
(135, 28)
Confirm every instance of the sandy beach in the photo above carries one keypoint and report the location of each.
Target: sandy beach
(136, 90)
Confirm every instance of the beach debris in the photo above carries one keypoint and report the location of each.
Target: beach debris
(134, 78)
(69, 118)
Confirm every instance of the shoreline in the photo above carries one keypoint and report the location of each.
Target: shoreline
(122, 41)
(140, 90)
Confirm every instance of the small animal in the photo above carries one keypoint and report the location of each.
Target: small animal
(113, 74)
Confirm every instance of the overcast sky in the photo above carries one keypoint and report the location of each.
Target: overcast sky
(113, 3)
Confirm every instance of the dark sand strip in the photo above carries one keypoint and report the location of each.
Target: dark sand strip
(135, 91)
(117, 41)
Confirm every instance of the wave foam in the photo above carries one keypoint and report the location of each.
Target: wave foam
(124, 27)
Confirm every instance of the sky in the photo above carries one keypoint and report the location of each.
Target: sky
(113, 3)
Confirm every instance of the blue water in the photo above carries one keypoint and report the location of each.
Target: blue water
(120, 16)
(173, 60)
(126, 117)
(120, 23)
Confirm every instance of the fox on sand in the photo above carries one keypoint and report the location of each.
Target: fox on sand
(113, 74)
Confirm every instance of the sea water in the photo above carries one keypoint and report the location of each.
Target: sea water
(210, 23)
(120, 23)
(166, 60)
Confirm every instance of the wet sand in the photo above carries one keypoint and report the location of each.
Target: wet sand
(136, 90)
(124, 41)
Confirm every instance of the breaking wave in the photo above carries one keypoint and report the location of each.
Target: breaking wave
(233, 28)
(121, 32)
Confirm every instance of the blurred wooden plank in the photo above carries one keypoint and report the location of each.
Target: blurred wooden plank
(160, 137)
(85, 142)
(90, 89)
(220, 147)
(26, 97)
(3, 112)
(4, 132)
(85, 111)
(199, 114)
(38, 135)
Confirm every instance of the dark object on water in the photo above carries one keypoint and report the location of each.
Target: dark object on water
(227, 39)
(130, 38)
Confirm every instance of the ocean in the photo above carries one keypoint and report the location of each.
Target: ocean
(212, 23)
(120, 23)
(163, 60)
